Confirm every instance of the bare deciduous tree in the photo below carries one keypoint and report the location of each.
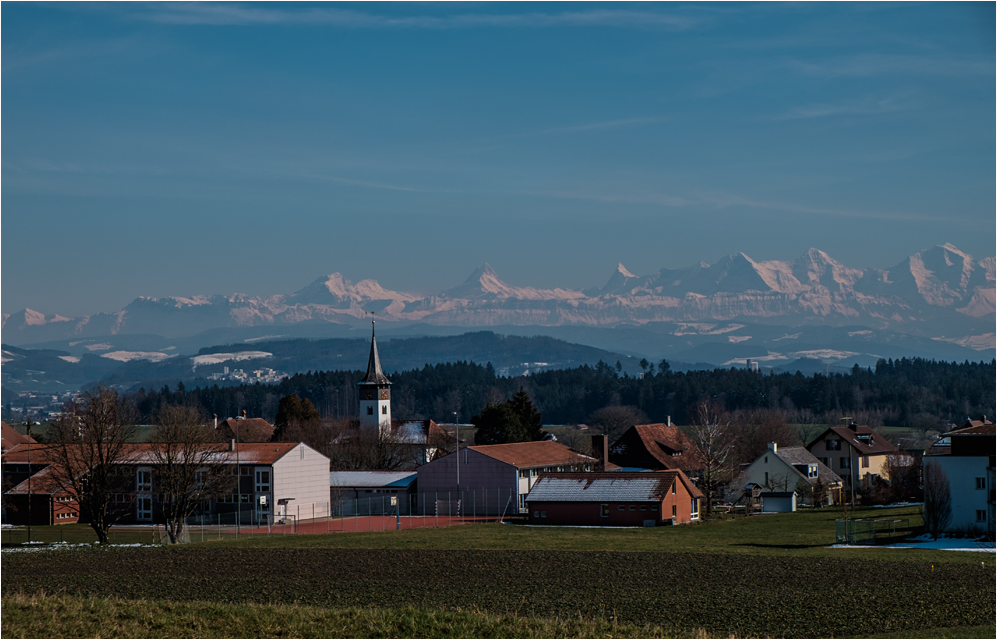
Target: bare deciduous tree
(90, 441)
(189, 467)
(937, 499)
(712, 434)
(614, 420)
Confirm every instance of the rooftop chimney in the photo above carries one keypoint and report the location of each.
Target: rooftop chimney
(231, 445)
(668, 421)
(216, 421)
(600, 451)
(773, 447)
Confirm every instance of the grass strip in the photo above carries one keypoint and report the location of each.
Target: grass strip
(64, 616)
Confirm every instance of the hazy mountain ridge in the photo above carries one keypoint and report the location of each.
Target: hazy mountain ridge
(941, 293)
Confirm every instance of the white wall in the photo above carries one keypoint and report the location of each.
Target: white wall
(303, 474)
(962, 472)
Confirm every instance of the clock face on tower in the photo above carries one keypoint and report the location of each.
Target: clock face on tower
(384, 394)
(368, 394)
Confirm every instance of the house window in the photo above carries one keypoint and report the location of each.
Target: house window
(766, 483)
(543, 514)
(143, 480)
(145, 508)
(833, 445)
(825, 461)
(643, 507)
(246, 471)
(981, 483)
(621, 508)
(633, 508)
(694, 508)
(981, 515)
(370, 411)
(262, 480)
(536, 514)
(812, 471)
(654, 507)
(522, 502)
(674, 511)
(845, 463)
(604, 510)
(673, 487)
(865, 462)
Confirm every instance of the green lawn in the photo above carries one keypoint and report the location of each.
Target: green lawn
(761, 576)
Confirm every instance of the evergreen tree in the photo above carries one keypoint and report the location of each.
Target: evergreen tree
(529, 418)
(293, 411)
(497, 424)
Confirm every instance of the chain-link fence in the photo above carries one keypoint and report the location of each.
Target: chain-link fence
(872, 531)
(357, 514)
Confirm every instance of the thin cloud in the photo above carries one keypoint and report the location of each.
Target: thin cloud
(726, 201)
(879, 64)
(861, 107)
(243, 15)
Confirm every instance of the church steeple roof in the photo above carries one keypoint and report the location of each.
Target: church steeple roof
(374, 373)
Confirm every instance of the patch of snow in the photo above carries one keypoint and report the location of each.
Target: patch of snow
(788, 336)
(73, 359)
(216, 358)
(821, 354)
(128, 356)
(736, 339)
(864, 332)
(100, 346)
(261, 338)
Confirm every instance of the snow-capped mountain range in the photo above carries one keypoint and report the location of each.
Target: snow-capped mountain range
(942, 293)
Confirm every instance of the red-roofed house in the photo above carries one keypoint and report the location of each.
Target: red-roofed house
(657, 447)
(856, 453)
(245, 430)
(614, 498)
(495, 478)
(28, 476)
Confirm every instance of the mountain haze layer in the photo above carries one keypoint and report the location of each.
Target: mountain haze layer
(940, 293)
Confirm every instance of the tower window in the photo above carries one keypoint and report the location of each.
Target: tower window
(384, 410)
(370, 411)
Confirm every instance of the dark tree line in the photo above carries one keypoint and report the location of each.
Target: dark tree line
(911, 392)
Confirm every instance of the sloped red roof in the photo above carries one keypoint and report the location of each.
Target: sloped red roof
(11, 438)
(533, 454)
(246, 429)
(665, 443)
(142, 453)
(45, 482)
(876, 446)
(974, 427)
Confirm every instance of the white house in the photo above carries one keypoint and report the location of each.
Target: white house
(966, 456)
(781, 470)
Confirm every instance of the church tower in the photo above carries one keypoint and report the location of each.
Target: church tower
(375, 393)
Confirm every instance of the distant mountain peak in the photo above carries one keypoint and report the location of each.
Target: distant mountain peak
(623, 270)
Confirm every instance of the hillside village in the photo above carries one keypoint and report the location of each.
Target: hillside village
(647, 475)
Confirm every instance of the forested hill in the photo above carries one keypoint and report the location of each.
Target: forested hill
(904, 392)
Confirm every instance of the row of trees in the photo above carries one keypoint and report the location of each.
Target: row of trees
(92, 442)
(906, 392)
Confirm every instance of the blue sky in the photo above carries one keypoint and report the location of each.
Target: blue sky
(216, 148)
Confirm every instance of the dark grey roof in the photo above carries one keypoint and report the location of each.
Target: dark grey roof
(800, 455)
(374, 373)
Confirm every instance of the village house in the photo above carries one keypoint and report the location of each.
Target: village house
(783, 470)
(966, 457)
(657, 447)
(614, 498)
(496, 478)
(856, 453)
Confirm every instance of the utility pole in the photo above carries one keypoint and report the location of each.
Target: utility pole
(456, 430)
(27, 432)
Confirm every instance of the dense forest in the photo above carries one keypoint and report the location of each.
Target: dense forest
(914, 393)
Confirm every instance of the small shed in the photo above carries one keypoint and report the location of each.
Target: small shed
(778, 501)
